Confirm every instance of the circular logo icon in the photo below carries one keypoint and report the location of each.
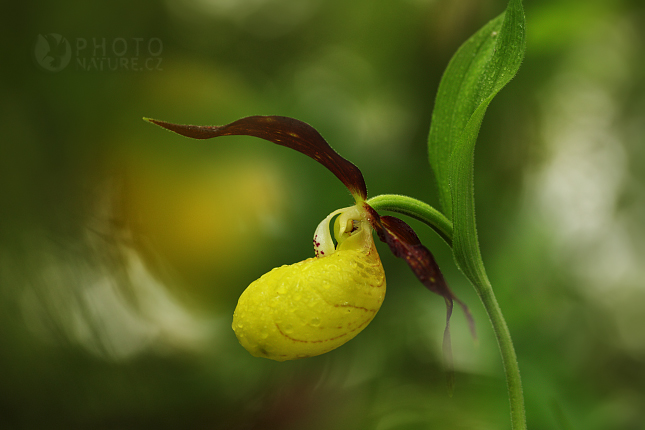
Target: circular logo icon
(52, 52)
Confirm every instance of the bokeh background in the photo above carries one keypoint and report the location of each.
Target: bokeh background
(123, 248)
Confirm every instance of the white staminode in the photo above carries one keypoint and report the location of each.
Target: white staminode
(323, 242)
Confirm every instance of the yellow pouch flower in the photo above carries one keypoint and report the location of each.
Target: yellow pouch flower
(316, 305)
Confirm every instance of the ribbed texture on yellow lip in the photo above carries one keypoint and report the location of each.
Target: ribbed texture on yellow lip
(310, 307)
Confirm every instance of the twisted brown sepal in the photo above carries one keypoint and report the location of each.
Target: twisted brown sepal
(405, 244)
(284, 131)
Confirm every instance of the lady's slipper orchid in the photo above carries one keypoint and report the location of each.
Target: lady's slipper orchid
(314, 306)
(318, 304)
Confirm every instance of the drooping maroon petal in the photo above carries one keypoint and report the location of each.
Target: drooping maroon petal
(405, 244)
(284, 131)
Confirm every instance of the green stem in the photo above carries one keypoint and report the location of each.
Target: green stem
(509, 358)
(439, 223)
(416, 209)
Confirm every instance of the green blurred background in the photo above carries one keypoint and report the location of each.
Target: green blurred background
(123, 248)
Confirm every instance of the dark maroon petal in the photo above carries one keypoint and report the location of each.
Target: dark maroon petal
(283, 131)
(404, 243)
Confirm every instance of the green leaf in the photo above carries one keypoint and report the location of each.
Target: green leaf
(506, 52)
(483, 65)
(476, 73)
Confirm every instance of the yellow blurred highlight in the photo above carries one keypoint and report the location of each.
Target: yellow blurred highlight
(210, 218)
